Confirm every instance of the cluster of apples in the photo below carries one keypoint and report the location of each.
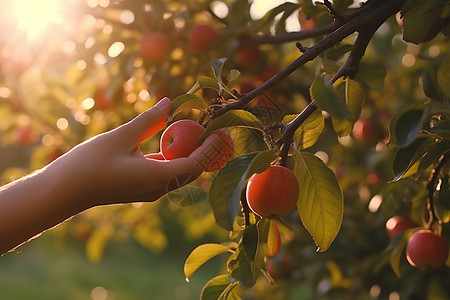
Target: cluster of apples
(155, 46)
(271, 193)
(425, 248)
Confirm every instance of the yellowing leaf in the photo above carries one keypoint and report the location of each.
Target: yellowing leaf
(201, 255)
(320, 204)
(354, 98)
(238, 117)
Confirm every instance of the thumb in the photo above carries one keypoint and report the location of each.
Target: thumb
(148, 123)
(184, 170)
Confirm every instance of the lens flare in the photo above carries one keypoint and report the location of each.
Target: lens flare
(35, 17)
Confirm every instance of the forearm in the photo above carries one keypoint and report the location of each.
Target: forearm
(33, 204)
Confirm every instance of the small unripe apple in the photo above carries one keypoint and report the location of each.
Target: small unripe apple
(180, 139)
(398, 224)
(426, 249)
(154, 47)
(273, 192)
(202, 37)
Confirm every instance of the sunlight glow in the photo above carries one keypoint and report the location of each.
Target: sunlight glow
(36, 16)
(260, 7)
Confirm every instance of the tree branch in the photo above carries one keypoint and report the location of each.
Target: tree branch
(431, 187)
(372, 15)
(291, 127)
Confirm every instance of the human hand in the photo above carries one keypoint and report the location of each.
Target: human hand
(110, 168)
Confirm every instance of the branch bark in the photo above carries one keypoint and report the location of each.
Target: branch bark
(365, 21)
(373, 14)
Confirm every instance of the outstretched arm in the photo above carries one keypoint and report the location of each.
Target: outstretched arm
(106, 169)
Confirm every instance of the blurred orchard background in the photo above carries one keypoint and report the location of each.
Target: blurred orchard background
(75, 68)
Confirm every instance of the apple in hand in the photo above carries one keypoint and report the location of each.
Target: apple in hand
(181, 138)
(273, 192)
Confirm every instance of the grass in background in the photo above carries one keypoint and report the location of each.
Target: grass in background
(50, 269)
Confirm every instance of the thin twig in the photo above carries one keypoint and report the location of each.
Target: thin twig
(371, 16)
(431, 187)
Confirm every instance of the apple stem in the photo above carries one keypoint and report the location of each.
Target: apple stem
(245, 207)
(431, 188)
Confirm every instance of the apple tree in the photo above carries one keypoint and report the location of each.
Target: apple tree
(351, 97)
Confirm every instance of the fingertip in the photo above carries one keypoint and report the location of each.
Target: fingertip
(208, 152)
(164, 104)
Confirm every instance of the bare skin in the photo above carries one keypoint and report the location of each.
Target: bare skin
(106, 169)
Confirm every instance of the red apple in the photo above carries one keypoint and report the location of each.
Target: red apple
(154, 47)
(426, 249)
(103, 99)
(202, 37)
(364, 130)
(249, 56)
(273, 192)
(398, 224)
(180, 139)
(226, 152)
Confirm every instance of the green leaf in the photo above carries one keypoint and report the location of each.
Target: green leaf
(309, 132)
(233, 75)
(254, 237)
(187, 101)
(204, 82)
(328, 99)
(320, 203)
(405, 158)
(288, 7)
(202, 254)
(217, 67)
(443, 75)
(430, 84)
(420, 19)
(397, 248)
(433, 154)
(226, 187)
(372, 73)
(240, 267)
(246, 264)
(406, 125)
(354, 97)
(214, 288)
(237, 117)
(250, 241)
